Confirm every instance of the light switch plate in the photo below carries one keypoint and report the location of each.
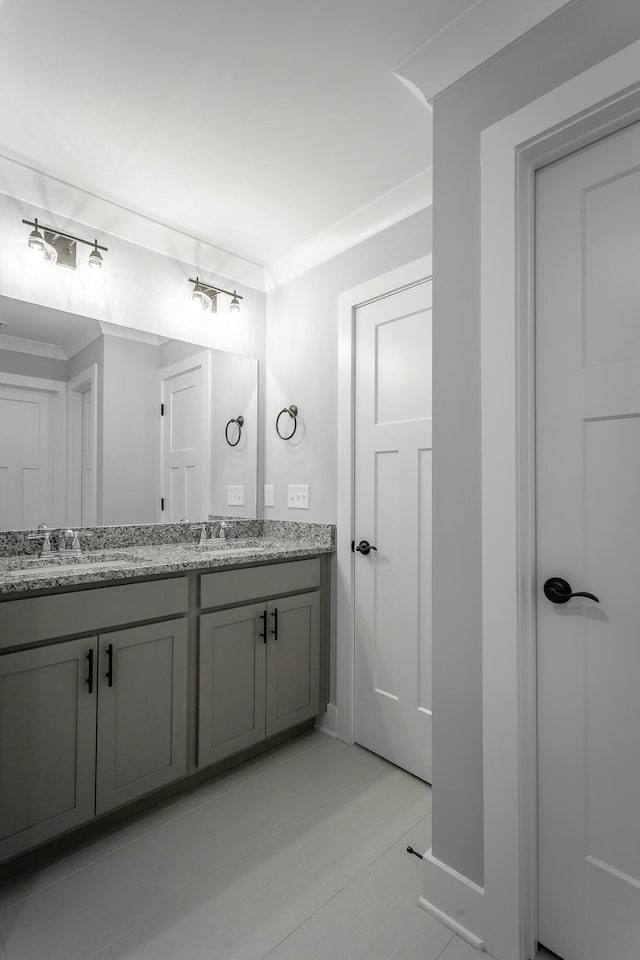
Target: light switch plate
(298, 496)
(235, 496)
(269, 496)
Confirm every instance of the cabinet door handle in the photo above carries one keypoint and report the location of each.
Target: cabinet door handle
(89, 680)
(274, 614)
(263, 635)
(109, 673)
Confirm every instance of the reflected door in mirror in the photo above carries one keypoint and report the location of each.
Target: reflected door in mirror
(27, 456)
(182, 457)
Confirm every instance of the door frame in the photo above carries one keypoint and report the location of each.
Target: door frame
(75, 388)
(201, 360)
(59, 390)
(348, 302)
(598, 102)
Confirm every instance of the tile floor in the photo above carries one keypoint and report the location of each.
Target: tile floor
(296, 855)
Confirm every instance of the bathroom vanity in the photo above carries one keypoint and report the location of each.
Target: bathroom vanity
(145, 665)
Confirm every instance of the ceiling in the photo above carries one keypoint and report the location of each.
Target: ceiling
(251, 125)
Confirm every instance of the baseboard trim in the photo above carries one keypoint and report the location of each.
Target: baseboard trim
(328, 722)
(448, 895)
(452, 924)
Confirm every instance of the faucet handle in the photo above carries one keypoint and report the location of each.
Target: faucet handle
(42, 533)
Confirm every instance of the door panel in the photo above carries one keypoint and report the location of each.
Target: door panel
(142, 715)
(47, 743)
(588, 478)
(393, 512)
(293, 661)
(27, 457)
(231, 682)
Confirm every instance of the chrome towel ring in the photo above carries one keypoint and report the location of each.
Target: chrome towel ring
(239, 421)
(293, 413)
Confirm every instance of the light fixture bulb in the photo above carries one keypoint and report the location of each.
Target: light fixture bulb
(36, 240)
(205, 297)
(95, 258)
(234, 306)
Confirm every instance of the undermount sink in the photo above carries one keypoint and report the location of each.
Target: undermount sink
(72, 561)
(231, 546)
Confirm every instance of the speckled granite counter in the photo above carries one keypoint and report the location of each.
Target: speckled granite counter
(19, 574)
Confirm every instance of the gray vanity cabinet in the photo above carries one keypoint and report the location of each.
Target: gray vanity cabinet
(293, 661)
(47, 753)
(231, 682)
(258, 672)
(142, 711)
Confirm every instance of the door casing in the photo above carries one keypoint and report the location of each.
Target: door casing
(348, 303)
(603, 99)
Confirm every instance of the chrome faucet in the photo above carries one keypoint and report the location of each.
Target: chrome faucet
(220, 530)
(202, 527)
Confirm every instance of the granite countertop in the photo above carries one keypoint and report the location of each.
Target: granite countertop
(22, 574)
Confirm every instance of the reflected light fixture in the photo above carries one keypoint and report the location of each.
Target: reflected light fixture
(36, 240)
(61, 248)
(206, 296)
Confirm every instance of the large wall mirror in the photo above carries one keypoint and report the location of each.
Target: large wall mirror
(102, 424)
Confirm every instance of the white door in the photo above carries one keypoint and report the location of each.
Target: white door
(182, 458)
(393, 514)
(27, 457)
(588, 476)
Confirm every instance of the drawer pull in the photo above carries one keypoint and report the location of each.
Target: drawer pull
(109, 673)
(89, 680)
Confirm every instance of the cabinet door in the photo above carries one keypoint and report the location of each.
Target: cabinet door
(231, 681)
(47, 742)
(142, 711)
(293, 661)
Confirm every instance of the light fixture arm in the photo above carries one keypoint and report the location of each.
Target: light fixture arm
(62, 233)
(209, 286)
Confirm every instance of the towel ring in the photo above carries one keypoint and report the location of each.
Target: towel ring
(293, 413)
(240, 423)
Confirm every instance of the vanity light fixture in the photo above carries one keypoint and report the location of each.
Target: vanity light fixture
(206, 296)
(61, 248)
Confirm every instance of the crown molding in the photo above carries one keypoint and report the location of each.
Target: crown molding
(480, 32)
(32, 347)
(403, 201)
(35, 187)
(128, 333)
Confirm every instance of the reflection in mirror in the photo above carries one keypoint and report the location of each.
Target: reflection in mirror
(103, 424)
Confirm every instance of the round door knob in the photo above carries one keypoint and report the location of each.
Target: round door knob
(364, 547)
(559, 591)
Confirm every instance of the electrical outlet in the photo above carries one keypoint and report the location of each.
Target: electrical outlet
(298, 496)
(269, 496)
(235, 496)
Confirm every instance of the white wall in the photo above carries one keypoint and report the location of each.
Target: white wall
(302, 368)
(580, 35)
(302, 364)
(234, 392)
(26, 365)
(130, 425)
